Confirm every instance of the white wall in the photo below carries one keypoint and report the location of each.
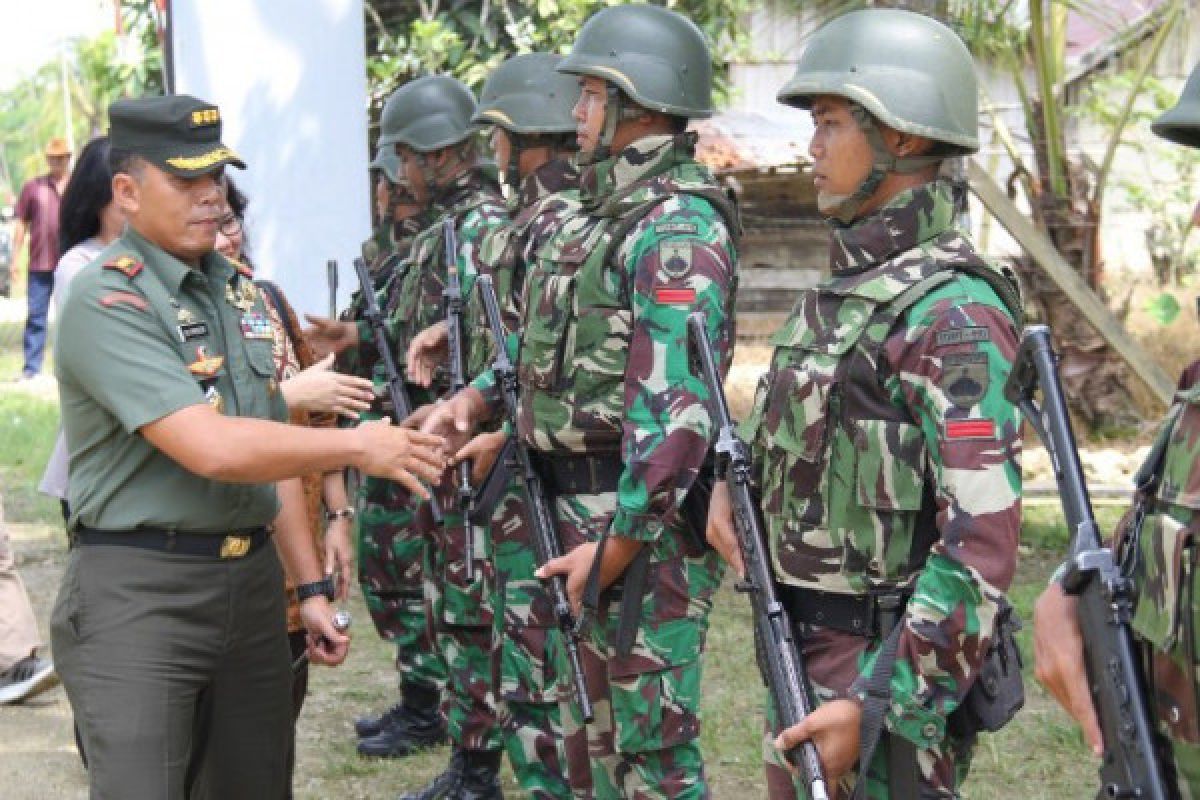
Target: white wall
(290, 79)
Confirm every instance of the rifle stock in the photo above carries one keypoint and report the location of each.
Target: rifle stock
(397, 393)
(545, 533)
(780, 661)
(1130, 766)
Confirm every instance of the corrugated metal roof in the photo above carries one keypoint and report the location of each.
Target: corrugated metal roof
(737, 140)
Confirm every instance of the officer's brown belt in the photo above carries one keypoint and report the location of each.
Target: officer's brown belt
(869, 615)
(578, 474)
(236, 544)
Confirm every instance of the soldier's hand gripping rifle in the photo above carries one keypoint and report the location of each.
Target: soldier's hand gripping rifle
(779, 656)
(1130, 767)
(545, 534)
(453, 300)
(397, 393)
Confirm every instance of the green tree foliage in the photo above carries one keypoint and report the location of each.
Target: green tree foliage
(99, 70)
(469, 39)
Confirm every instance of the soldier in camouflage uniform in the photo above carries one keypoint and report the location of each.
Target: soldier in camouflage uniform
(608, 404)
(884, 449)
(1165, 617)
(429, 122)
(391, 549)
(529, 106)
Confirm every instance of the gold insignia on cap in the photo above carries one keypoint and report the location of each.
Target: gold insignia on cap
(204, 161)
(205, 116)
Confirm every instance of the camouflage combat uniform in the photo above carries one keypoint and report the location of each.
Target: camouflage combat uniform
(391, 550)
(458, 611)
(604, 372)
(888, 458)
(1165, 618)
(529, 670)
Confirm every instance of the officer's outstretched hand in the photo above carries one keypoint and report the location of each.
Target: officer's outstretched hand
(426, 351)
(834, 729)
(720, 532)
(326, 644)
(402, 455)
(1058, 655)
(319, 388)
(481, 452)
(327, 335)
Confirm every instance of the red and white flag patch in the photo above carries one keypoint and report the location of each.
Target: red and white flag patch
(665, 296)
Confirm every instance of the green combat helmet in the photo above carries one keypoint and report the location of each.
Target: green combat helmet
(428, 114)
(387, 162)
(657, 57)
(1181, 123)
(901, 68)
(533, 102)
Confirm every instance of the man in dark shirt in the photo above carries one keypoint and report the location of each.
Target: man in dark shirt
(37, 216)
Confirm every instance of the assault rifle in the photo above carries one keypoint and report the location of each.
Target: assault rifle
(397, 393)
(453, 300)
(780, 661)
(545, 534)
(1130, 767)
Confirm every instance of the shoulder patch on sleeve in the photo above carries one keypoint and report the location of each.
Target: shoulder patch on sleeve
(126, 265)
(967, 335)
(675, 259)
(965, 378)
(676, 227)
(124, 298)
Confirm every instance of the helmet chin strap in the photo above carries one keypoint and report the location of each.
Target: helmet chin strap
(614, 111)
(845, 208)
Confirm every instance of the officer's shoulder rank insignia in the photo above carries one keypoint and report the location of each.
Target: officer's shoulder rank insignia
(126, 265)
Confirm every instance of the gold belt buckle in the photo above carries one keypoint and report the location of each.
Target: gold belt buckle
(235, 546)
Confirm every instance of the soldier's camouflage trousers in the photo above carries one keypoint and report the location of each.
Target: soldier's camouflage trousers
(644, 743)
(529, 671)
(460, 619)
(940, 770)
(391, 554)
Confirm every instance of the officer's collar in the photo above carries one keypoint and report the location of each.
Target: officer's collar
(169, 269)
(640, 161)
(907, 220)
(556, 175)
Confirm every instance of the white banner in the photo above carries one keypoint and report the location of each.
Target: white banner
(290, 80)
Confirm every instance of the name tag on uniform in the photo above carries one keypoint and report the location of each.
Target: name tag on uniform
(256, 326)
(192, 330)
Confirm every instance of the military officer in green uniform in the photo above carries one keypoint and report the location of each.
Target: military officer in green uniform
(1164, 533)
(617, 422)
(169, 629)
(884, 448)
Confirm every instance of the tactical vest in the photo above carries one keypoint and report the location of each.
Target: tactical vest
(842, 470)
(417, 302)
(578, 316)
(1158, 543)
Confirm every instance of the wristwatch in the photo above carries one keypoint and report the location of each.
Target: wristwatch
(339, 513)
(323, 586)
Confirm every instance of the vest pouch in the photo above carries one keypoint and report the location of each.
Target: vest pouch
(889, 483)
(544, 343)
(998, 692)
